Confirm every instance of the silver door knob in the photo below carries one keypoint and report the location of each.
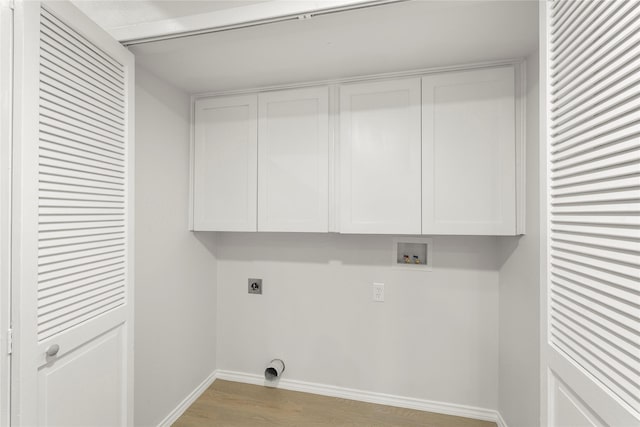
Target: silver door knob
(53, 350)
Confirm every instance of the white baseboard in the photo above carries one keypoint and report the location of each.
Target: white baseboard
(500, 421)
(370, 397)
(188, 401)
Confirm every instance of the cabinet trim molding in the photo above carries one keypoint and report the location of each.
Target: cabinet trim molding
(420, 72)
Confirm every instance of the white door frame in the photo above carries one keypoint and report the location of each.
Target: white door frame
(544, 202)
(6, 105)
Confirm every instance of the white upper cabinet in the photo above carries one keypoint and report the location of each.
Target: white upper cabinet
(468, 152)
(417, 155)
(380, 165)
(293, 160)
(225, 163)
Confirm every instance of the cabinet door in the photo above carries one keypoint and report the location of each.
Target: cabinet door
(380, 157)
(225, 164)
(293, 160)
(468, 154)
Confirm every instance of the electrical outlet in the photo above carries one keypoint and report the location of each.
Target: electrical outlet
(255, 286)
(378, 292)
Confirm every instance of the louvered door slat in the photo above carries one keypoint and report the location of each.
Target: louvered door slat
(598, 241)
(54, 134)
(62, 47)
(606, 77)
(590, 153)
(568, 308)
(594, 191)
(74, 148)
(608, 29)
(80, 315)
(586, 258)
(86, 163)
(601, 316)
(73, 191)
(96, 272)
(82, 248)
(597, 130)
(63, 177)
(63, 291)
(79, 156)
(84, 199)
(624, 170)
(52, 102)
(571, 32)
(54, 51)
(59, 117)
(597, 161)
(592, 250)
(56, 252)
(559, 8)
(602, 349)
(80, 298)
(51, 66)
(623, 297)
(603, 141)
(564, 17)
(51, 167)
(49, 242)
(599, 292)
(578, 29)
(613, 342)
(56, 85)
(56, 26)
(606, 184)
(604, 112)
(590, 354)
(597, 99)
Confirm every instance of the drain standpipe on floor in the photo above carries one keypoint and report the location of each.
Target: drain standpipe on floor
(274, 370)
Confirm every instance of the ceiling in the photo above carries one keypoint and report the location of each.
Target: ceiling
(394, 37)
(112, 14)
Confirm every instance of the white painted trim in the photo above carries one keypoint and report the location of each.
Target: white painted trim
(521, 82)
(234, 18)
(334, 149)
(173, 416)
(500, 421)
(382, 76)
(543, 109)
(368, 396)
(6, 142)
(192, 160)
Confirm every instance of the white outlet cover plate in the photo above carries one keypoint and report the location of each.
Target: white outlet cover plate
(378, 292)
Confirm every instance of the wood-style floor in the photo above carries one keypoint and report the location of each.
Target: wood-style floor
(228, 403)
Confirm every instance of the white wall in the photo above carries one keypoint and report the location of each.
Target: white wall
(435, 337)
(175, 289)
(520, 287)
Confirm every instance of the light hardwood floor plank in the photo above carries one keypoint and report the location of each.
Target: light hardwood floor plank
(227, 403)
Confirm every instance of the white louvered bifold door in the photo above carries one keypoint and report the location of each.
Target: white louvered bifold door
(81, 215)
(76, 305)
(593, 194)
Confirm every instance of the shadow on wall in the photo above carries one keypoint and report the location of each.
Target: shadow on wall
(507, 245)
(163, 92)
(456, 252)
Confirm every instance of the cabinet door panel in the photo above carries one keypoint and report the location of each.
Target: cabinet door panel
(469, 152)
(380, 157)
(293, 160)
(225, 162)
